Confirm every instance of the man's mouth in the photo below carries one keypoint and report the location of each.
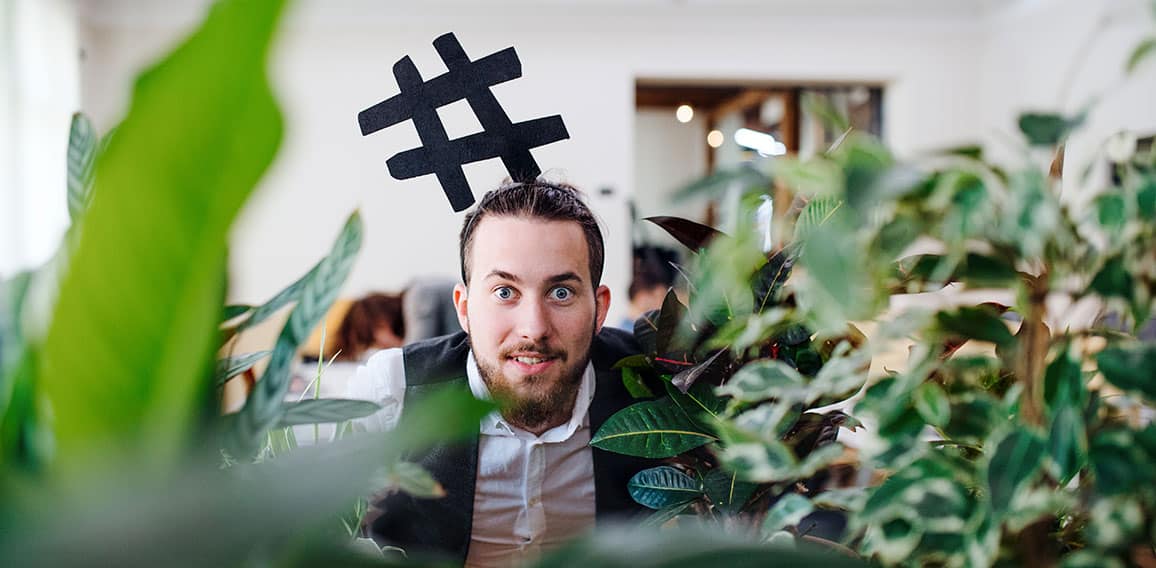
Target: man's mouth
(532, 363)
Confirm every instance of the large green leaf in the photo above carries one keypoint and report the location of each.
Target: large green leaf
(663, 486)
(313, 411)
(1131, 368)
(651, 429)
(699, 402)
(319, 289)
(726, 491)
(125, 361)
(1015, 462)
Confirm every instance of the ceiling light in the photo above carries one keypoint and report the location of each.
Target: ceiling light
(684, 113)
(715, 138)
(761, 142)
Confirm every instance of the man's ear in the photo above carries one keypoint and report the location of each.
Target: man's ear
(460, 300)
(601, 305)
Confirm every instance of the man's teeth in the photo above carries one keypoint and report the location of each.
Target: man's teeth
(529, 360)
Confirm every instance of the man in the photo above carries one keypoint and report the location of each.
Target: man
(532, 307)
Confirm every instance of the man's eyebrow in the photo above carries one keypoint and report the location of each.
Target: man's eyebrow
(502, 274)
(555, 279)
(564, 277)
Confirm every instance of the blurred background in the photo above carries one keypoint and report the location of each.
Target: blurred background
(655, 93)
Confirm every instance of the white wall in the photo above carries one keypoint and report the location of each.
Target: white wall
(1057, 56)
(579, 60)
(668, 154)
(38, 93)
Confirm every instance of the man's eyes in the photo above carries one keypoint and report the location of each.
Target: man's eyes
(504, 293)
(558, 294)
(561, 293)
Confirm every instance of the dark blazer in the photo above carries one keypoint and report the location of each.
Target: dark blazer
(442, 526)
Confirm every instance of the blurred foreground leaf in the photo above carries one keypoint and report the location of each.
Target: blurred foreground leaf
(632, 547)
(132, 339)
(205, 516)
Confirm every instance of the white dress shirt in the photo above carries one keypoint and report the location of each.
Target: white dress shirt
(532, 493)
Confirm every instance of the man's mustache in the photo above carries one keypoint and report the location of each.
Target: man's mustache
(540, 348)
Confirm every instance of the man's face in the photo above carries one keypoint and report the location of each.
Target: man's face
(531, 312)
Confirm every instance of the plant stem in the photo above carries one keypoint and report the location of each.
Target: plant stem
(1033, 350)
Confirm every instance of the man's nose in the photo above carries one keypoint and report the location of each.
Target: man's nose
(533, 320)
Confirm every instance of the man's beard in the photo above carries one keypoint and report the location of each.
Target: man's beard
(549, 403)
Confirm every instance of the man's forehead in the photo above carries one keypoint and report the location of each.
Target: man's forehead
(527, 247)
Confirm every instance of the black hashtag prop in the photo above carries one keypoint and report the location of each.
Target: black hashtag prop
(470, 80)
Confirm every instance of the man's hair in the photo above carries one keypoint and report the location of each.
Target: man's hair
(535, 200)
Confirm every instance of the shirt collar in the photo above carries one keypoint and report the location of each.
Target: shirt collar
(494, 425)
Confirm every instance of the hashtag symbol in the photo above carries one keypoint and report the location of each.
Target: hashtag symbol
(469, 80)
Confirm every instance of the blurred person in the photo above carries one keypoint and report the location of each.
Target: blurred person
(373, 323)
(532, 307)
(653, 275)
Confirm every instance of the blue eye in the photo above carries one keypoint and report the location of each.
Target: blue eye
(561, 293)
(504, 293)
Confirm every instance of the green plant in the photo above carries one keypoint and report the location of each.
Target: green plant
(742, 381)
(1018, 448)
(111, 433)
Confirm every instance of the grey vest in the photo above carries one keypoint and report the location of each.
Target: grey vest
(442, 527)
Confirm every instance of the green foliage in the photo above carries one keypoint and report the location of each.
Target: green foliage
(165, 270)
(739, 370)
(318, 290)
(323, 410)
(1131, 368)
(109, 374)
(651, 429)
(1043, 129)
(787, 512)
(1004, 457)
(82, 150)
(663, 486)
(628, 547)
(1141, 52)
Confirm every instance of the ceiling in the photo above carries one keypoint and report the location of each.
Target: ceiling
(161, 12)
